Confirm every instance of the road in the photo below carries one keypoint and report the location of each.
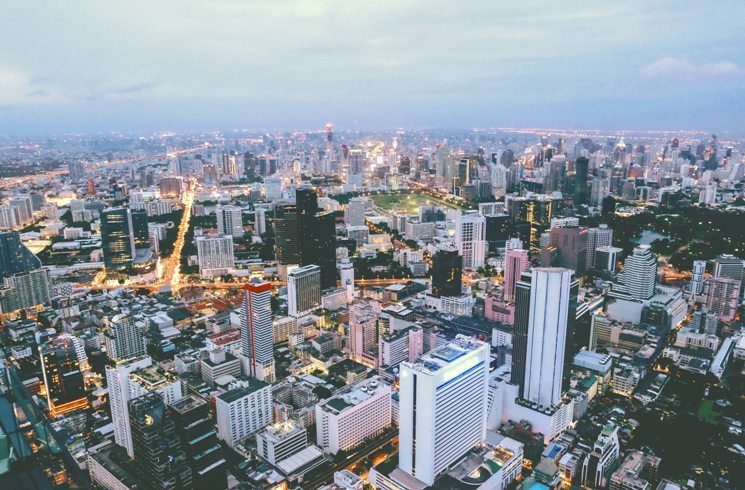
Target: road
(171, 276)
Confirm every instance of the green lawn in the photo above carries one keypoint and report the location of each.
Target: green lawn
(707, 413)
(407, 203)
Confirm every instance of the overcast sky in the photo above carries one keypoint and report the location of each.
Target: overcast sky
(92, 66)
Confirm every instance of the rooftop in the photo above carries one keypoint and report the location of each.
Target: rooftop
(442, 356)
(356, 394)
(238, 393)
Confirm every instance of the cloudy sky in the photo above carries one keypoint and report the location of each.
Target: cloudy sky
(89, 66)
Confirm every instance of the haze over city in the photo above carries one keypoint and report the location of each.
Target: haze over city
(172, 65)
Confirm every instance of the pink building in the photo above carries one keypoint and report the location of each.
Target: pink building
(515, 262)
(497, 310)
(722, 295)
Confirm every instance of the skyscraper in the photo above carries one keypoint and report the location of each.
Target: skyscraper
(363, 328)
(159, 460)
(639, 274)
(316, 233)
(516, 261)
(303, 290)
(286, 232)
(697, 276)
(256, 330)
(63, 379)
(356, 211)
(470, 238)
(123, 338)
(230, 221)
(601, 236)
(117, 239)
(215, 254)
(571, 245)
(729, 266)
(14, 256)
(543, 332)
(346, 272)
(447, 273)
(117, 380)
(442, 407)
(140, 228)
(580, 181)
(26, 289)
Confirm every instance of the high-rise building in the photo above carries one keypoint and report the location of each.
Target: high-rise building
(140, 228)
(606, 258)
(14, 256)
(601, 236)
(303, 290)
(442, 407)
(159, 460)
(639, 274)
(570, 243)
(360, 411)
(721, 296)
(117, 239)
(318, 232)
(63, 380)
(606, 451)
(697, 276)
(286, 234)
(346, 272)
(516, 261)
(363, 328)
(117, 380)
(447, 273)
(256, 330)
(230, 220)
(356, 211)
(545, 305)
(282, 440)
(26, 289)
(259, 221)
(123, 338)
(204, 454)
(76, 170)
(215, 254)
(243, 410)
(729, 266)
(470, 238)
(580, 181)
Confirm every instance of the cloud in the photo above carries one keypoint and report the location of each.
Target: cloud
(680, 69)
(133, 88)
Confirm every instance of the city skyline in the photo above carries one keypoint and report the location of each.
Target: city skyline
(256, 65)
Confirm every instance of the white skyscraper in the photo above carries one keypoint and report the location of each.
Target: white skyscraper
(442, 408)
(470, 238)
(697, 277)
(356, 211)
(303, 290)
(215, 254)
(346, 272)
(602, 236)
(550, 294)
(639, 274)
(256, 331)
(230, 220)
(260, 221)
(243, 410)
(117, 379)
(123, 339)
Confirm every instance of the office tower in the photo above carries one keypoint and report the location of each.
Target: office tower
(14, 256)
(599, 190)
(159, 460)
(26, 289)
(140, 228)
(204, 456)
(243, 410)
(230, 221)
(76, 170)
(497, 231)
(329, 141)
(358, 412)
(318, 233)
(356, 211)
(256, 330)
(601, 236)
(286, 234)
(363, 328)
(170, 187)
(303, 290)
(470, 238)
(545, 302)
(442, 407)
(697, 277)
(117, 239)
(123, 338)
(727, 265)
(260, 221)
(606, 259)
(215, 254)
(721, 296)
(117, 380)
(580, 181)
(605, 453)
(570, 243)
(280, 441)
(536, 210)
(346, 272)
(639, 274)
(516, 261)
(272, 188)
(447, 273)
(63, 380)
(704, 321)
